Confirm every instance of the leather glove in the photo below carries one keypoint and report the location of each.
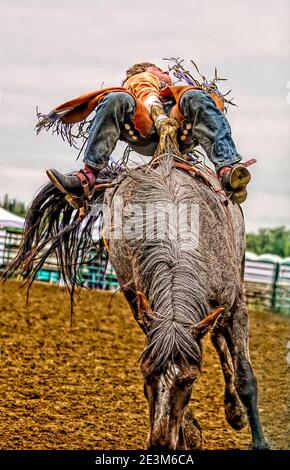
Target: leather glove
(165, 126)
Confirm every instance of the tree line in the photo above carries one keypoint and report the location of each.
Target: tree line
(14, 206)
(270, 240)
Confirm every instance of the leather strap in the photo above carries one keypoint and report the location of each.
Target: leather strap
(85, 182)
(227, 169)
(250, 162)
(104, 186)
(192, 169)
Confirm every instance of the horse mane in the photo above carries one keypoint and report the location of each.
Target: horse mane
(168, 269)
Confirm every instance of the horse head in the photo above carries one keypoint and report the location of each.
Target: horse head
(168, 386)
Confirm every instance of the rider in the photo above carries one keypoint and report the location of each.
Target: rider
(195, 115)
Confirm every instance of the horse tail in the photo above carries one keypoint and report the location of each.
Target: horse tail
(53, 226)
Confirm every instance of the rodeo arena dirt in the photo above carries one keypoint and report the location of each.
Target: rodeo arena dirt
(81, 387)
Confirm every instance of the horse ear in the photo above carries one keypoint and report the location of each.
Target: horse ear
(143, 303)
(202, 327)
(146, 315)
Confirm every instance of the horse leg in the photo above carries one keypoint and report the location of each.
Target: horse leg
(236, 334)
(234, 410)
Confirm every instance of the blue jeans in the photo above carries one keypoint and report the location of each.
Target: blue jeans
(210, 129)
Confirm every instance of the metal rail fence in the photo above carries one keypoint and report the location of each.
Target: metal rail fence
(92, 274)
(267, 278)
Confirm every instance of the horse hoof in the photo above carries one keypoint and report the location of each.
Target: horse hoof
(260, 445)
(192, 431)
(236, 415)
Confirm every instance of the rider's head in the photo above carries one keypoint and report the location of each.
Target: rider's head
(138, 68)
(148, 67)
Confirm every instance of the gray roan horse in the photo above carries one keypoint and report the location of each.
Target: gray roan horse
(175, 285)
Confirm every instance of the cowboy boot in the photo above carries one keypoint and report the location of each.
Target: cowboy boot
(79, 184)
(235, 179)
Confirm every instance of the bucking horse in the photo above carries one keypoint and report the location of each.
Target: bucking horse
(177, 244)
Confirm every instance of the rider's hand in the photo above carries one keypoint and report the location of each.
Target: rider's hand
(167, 128)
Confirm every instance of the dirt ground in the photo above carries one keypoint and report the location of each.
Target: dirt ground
(81, 388)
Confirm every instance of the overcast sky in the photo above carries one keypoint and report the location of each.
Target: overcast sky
(55, 50)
